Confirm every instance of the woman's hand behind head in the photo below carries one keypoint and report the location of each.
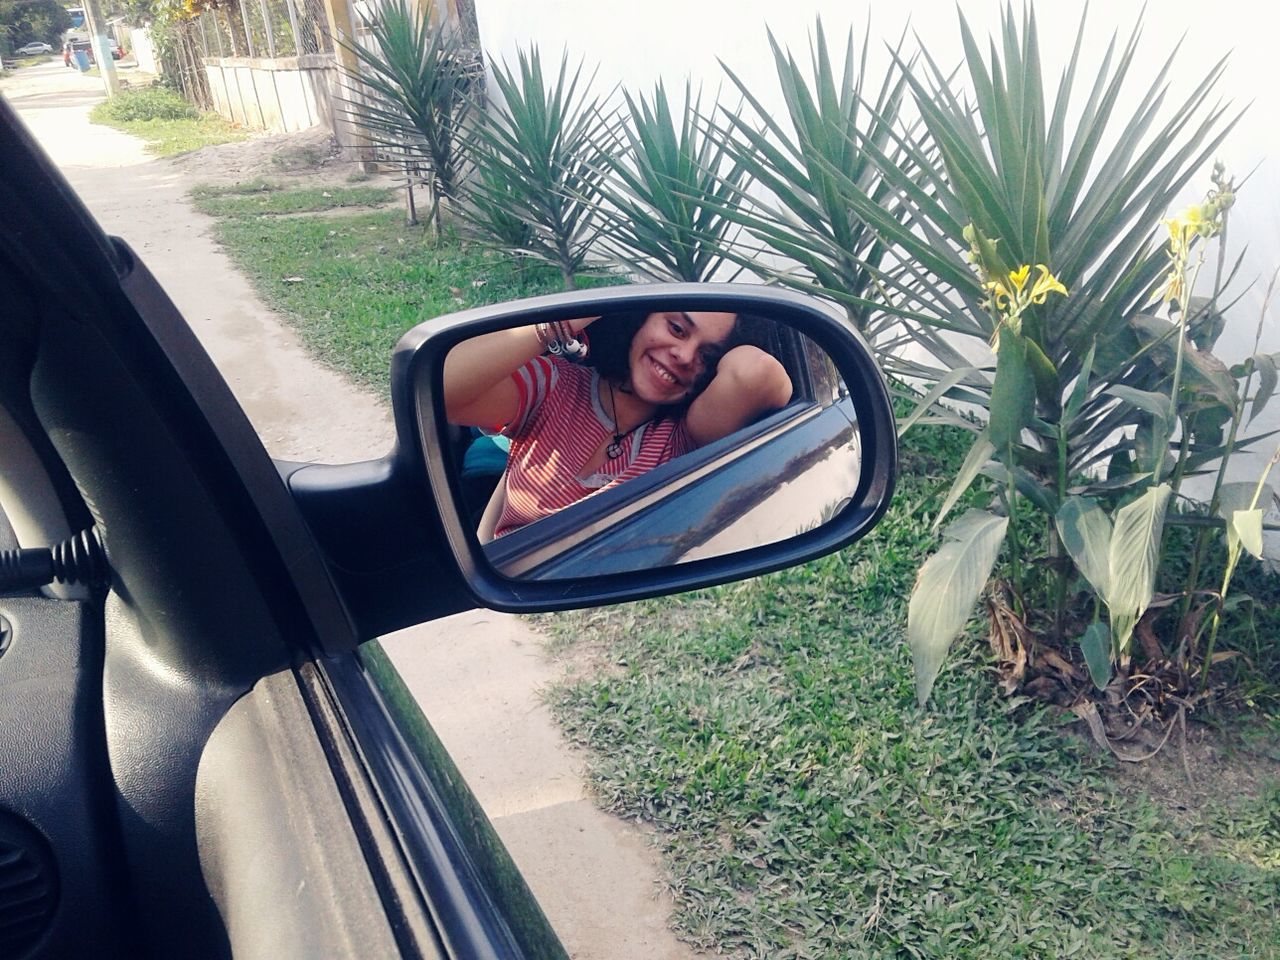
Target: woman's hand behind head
(748, 383)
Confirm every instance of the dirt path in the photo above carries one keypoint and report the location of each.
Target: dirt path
(478, 675)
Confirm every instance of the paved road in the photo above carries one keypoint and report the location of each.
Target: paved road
(477, 676)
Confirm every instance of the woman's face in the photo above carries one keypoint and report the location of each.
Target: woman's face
(671, 351)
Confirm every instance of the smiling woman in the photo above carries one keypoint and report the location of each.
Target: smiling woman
(592, 402)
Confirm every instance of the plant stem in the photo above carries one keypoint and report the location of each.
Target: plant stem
(1015, 546)
(1234, 549)
(1237, 414)
(1184, 312)
(1055, 542)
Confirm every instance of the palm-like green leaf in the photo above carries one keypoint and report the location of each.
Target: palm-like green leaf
(541, 155)
(667, 189)
(415, 81)
(820, 176)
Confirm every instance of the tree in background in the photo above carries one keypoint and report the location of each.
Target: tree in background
(172, 26)
(24, 21)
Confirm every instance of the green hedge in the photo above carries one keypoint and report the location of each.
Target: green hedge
(155, 103)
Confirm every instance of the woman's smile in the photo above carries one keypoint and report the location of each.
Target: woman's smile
(672, 350)
(663, 372)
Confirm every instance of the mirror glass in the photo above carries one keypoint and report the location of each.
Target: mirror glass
(629, 441)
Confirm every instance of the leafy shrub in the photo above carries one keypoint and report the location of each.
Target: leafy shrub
(417, 90)
(154, 103)
(668, 191)
(542, 155)
(825, 189)
(1089, 389)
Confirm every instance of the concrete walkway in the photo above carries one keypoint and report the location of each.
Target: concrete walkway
(477, 675)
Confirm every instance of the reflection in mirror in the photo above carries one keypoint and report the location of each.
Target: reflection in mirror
(630, 441)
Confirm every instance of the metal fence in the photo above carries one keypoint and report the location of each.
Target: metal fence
(264, 29)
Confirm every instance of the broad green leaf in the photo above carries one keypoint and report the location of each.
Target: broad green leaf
(1201, 370)
(1154, 403)
(1045, 375)
(1095, 644)
(974, 461)
(1133, 558)
(1205, 324)
(946, 589)
(1086, 533)
(1266, 366)
(1238, 495)
(1013, 395)
(1236, 600)
(1246, 527)
(1026, 484)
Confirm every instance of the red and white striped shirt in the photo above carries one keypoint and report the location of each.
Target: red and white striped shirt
(559, 427)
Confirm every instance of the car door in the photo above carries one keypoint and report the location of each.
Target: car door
(196, 763)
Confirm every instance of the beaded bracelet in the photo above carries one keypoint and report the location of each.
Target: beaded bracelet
(558, 339)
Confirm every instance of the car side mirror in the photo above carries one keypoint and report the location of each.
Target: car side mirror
(612, 444)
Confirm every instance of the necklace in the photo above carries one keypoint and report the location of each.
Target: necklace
(614, 450)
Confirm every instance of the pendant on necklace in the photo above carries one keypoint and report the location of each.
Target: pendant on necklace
(614, 449)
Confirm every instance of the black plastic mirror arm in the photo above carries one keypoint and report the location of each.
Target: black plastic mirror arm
(381, 541)
(417, 391)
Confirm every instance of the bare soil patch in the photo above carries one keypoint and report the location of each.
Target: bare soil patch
(305, 158)
(1215, 766)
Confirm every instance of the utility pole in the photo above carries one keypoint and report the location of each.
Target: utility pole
(101, 47)
(342, 31)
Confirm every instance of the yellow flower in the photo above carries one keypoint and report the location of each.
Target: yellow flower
(1045, 284)
(1019, 277)
(1011, 295)
(1186, 225)
(1000, 295)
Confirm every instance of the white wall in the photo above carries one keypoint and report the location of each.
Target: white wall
(637, 43)
(144, 52)
(280, 96)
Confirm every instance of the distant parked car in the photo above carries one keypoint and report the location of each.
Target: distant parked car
(83, 43)
(34, 48)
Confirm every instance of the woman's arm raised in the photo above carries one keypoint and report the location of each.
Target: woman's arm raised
(478, 389)
(748, 382)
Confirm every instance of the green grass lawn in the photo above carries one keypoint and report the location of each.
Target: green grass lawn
(168, 123)
(263, 198)
(165, 138)
(768, 730)
(352, 285)
(806, 807)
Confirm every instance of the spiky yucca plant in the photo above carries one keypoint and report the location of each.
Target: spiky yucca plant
(416, 82)
(667, 189)
(542, 154)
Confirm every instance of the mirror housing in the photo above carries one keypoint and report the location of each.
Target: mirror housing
(417, 396)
